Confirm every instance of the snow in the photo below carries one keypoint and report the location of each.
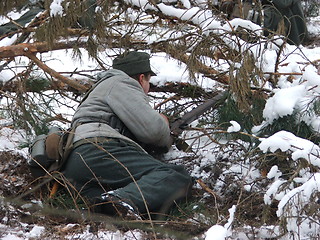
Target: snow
(8, 41)
(283, 102)
(11, 237)
(167, 70)
(235, 127)
(272, 191)
(288, 97)
(10, 140)
(56, 8)
(274, 172)
(36, 231)
(299, 147)
(218, 232)
(14, 15)
(117, 235)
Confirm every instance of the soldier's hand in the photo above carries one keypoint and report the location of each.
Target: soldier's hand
(165, 118)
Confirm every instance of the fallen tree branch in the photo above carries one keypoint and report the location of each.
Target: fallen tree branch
(55, 74)
(38, 47)
(280, 74)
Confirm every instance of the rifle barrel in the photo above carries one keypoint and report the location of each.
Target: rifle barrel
(177, 126)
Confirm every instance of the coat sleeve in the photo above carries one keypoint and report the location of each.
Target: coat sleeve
(128, 101)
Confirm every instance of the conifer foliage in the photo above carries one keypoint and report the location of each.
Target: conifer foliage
(232, 54)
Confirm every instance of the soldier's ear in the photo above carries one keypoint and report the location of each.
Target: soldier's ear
(140, 78)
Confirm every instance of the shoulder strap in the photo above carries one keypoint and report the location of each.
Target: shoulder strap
(66, 143)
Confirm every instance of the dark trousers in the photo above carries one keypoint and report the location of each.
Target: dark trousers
(134, 176)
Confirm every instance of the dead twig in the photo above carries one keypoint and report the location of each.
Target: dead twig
(281, 74)
(175, 97)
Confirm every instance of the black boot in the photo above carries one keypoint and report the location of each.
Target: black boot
(113, 206)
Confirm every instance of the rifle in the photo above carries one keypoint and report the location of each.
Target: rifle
(181, 123)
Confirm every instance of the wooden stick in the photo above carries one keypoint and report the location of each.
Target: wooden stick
(54, 189)
(279, 74)
(207, 189)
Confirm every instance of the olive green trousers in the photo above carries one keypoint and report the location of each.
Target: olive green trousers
(133, 175)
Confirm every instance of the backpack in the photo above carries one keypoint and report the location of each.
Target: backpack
(49, 151)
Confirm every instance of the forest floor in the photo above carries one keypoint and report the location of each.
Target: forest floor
(27, 211)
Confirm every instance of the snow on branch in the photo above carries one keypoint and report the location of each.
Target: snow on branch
(299, 147)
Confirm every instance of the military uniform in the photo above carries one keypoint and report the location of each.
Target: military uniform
(87, 20)
(22, 21)
(114, 116)
(289, 13)
(283, 17)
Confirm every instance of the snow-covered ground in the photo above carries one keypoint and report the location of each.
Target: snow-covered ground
(289, 96)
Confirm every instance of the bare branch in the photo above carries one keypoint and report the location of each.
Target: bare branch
(55, 74)
(38, 47)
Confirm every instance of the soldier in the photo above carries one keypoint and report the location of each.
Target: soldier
(288, 13)
(87, 20)
(21, 22)
(107, 165)
(276, 16)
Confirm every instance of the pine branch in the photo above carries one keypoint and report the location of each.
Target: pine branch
(40, 47)
(183, 57)
(180, 89)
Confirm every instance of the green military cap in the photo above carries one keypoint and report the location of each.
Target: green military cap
(133, 63)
